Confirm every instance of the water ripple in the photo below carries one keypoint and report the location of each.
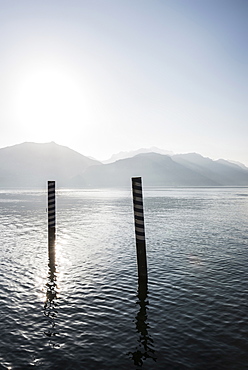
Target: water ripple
(85, 311)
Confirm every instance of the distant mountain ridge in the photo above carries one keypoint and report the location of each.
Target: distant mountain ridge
(32, 165)
(163, 170)
(132, 153)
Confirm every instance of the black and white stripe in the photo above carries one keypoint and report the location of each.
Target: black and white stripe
(51, 204)
(138, 209)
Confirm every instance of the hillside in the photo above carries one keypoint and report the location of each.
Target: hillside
(156, 169)
(31, 164)
(125, 155)
(163, 170)
(221, 171)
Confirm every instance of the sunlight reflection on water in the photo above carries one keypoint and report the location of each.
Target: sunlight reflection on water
(81, 309)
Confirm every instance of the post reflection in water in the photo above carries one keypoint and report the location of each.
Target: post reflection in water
(145, 349)
(50, 306)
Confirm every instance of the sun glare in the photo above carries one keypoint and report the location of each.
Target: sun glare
(49, 98)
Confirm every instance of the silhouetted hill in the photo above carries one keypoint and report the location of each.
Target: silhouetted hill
(31, 164)
(125, 155)
(163, 170)
(221, 171)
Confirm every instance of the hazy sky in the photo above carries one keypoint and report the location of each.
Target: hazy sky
(102, 76)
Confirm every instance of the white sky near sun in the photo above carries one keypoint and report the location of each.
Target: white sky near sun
(103, 76)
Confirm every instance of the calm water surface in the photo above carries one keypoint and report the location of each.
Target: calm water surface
(85, 311)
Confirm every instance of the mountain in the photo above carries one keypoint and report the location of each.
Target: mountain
(31, 164)
(221, 171)
(156, 170)
(163, 170)
(124, 155)
(237, 163)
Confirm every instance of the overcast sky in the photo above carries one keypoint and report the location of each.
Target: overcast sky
(103, 76)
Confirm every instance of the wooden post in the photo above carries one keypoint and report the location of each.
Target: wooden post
(51, 216)
(139, 229)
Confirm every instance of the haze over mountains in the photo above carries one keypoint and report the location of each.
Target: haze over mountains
(31, 165)
(124, 155)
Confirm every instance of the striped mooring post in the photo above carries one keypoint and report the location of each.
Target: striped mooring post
(51, 214)
(139, 228)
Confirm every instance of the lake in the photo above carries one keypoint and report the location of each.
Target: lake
(85, 311)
